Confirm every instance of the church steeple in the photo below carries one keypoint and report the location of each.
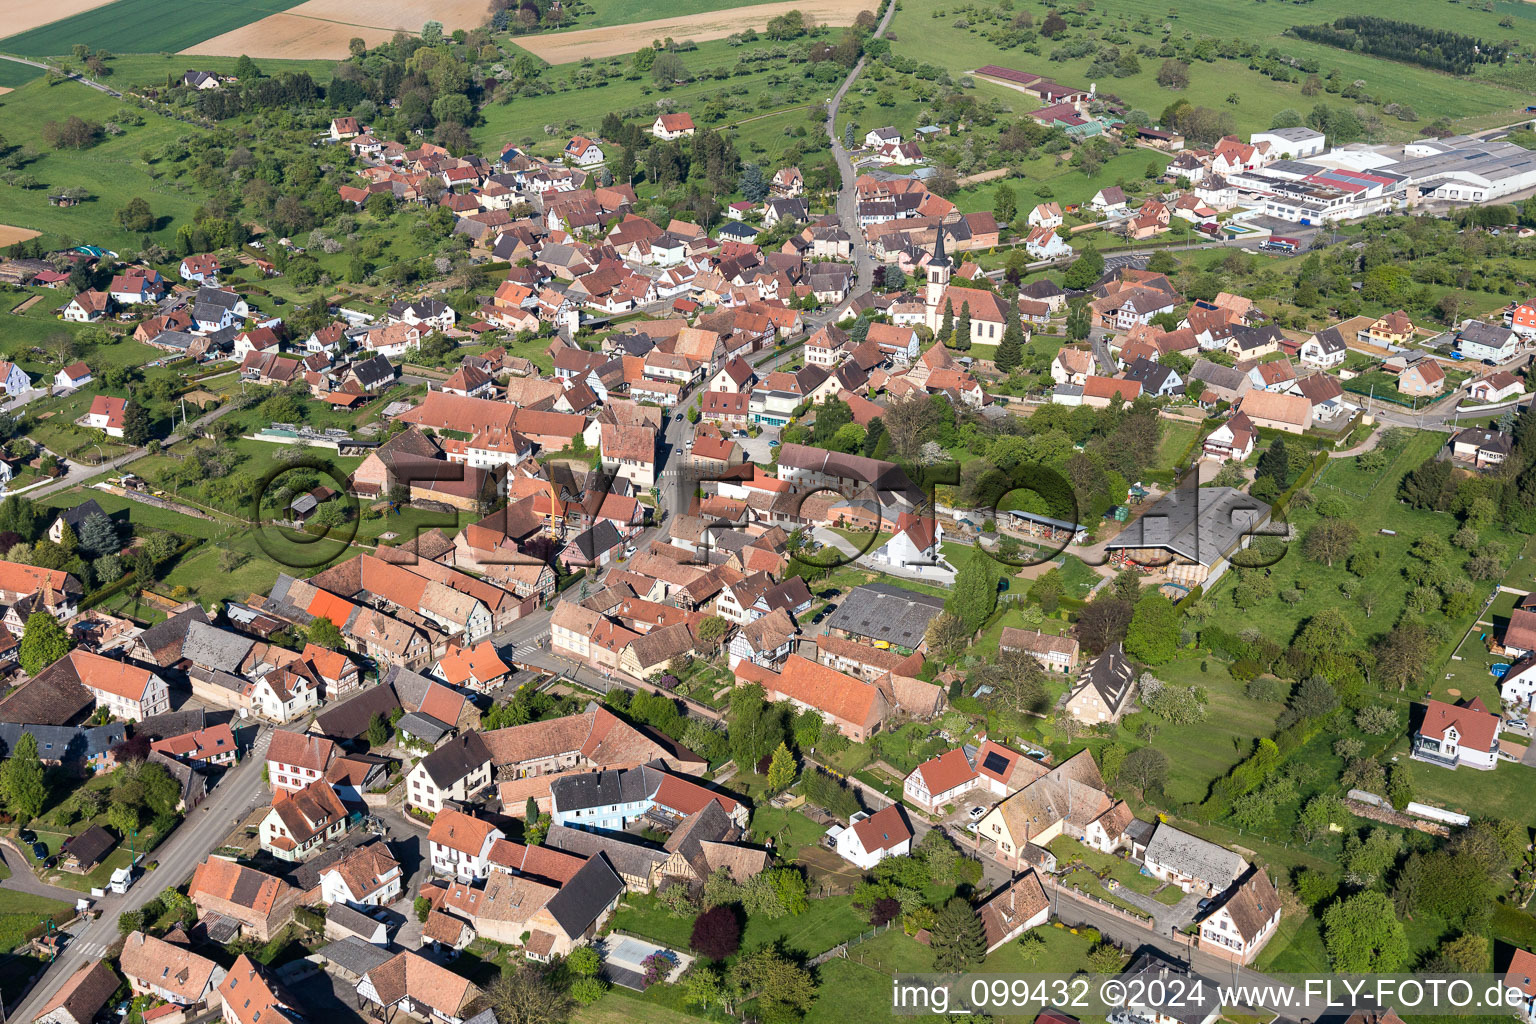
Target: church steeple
(938, 280)
(938, 250)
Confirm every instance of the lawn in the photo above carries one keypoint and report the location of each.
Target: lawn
(110, 171)
(20, 912)
(621, 1006)
(143, 26)
(829, 921)
(1503, 792)
(1069, 850)
(789, 830)
(623, 12)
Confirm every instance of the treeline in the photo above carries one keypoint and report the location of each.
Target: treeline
(1436, 49)
(289, 89)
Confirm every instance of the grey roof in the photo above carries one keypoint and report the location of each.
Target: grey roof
(194, 784)
(1112, 674)
(1202, 524)
(578, 791)
(213, 648)
(216, 297)
(1330, 340)
(80, 513)
(738, 231)
(1479, 333)
(355, 956)
(371, 372)
(1147, 968)
(597, 539)
(172, 723)
(1226, 377)
(1496, 441)
(350, 718)
(64, 743)
(1300, 133)
(423, 308)
(456, 759)
(1151, 376)
(1044, 288)
(410, 687)
(1195, 857)
(423, 726)
(629, 856)
(579, 903)
(881, 611)
(354, 921)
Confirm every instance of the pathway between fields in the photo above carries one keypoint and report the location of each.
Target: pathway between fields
(72, 76)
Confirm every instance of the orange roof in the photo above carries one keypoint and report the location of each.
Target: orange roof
(481, 662)
(458, 831)
(819, 686)
(442, 704)
(946, 772)
(115, 677)
(884, 830)
(328, 605)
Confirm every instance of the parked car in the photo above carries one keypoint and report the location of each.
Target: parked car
(40, 851)
(977, 812)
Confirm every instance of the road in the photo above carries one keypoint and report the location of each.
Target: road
(71, 76)
(847, 196)
(79, 472)
(237, 793)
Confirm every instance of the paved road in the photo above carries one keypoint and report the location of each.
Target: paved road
(238, 792)
(847, 196)
(79, 472)
(72, 76)
(23, 880)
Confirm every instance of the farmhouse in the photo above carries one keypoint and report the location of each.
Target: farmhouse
(1451, 735)
(1189, 534)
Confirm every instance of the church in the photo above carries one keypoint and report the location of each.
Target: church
(989, 313)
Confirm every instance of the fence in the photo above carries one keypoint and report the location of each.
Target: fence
(841, 949)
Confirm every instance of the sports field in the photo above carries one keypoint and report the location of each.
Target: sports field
(139, 26)
(611, 41)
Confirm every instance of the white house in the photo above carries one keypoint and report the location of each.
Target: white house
(75, 375)
(283, 695)
(1191, 863)
(427, 314)
(1296, 143)
(13, 379)
(877, 137)
(1233, 440)
(460, 846)
(1044, 243)
(672, 126)
(1324, 350)
(1108, 201)
(367, 877)
(583, 152)
(915, 542)
(294, 760)
(106, 413)
(1046, 215)
(870, 838)
(1496, 387)
(127, 691)
(1487, 341)
(1451, 735)
(1245, 920)
(87, 307)
(940, 780)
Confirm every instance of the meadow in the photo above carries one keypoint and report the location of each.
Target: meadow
(624, 12)
(142, 26)
(110, 171)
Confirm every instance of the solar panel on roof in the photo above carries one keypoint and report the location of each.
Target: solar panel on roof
(995, 763)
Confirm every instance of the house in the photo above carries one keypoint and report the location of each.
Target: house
(1496, 387)
(127, 691)
(1324, 350)
(1521, 978)
(345, 128)
(883, 615)
(668, 127)
(13, 379)
(82, 853)
(1200, 528)
(300, 823)
(583, 152)
(1046, 215)
(1103, 692)
(1222, 383)
(202, 268)
(475, 668)
(75, 375)
(249, 995)
(1102, 392)
(1043, 243)
(1232, 441)
(1479, 340)
(1481, 448)
(1021, 904)
(1424, 377)
(1245, 919)
(1054, 653)
(295, 760)
(168, 971)
(368, 876)
(856, 708)
(200, 80)
(87, 307)
(418, 986)
(915, 542)
(877, 137)
(1394, 329)
(258, 904)
(214, 745)
(1072, 365)
(1191, 863)
(82, 997)
(1324, 394)
(618, 799)
(106, 414)
(870, 838)
(426, 314)
(1451, 735)
(460, 846)
(1061, 800)
(1108, 201)
(1156, 379)
(1275, 411)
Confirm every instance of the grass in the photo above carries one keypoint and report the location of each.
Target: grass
(1500, 793)
(1069, 850)
(110, 171)
(829, 921)
(143, 26)
(790, 830)
(621, 1006)
(20, 913)
(623, 12)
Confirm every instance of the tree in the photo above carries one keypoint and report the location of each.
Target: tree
(1275, 463)
(1330, 541)
(975, 591)
(958, 940)
(1004, 204)
(962, 338)
(752, 184)
(522, 995)
(43, 642)
(378, 730)
(1085, 270)
(97, 535)
(781, 770)
(1145, 768)
(1079, 322)
(784, 990)
(1153, 636)
(947, 325)
(21, 780)
(711, 631)
(1053, 25)
(1364, 936)
(136, 216)
(135, 423)
(716, 933)
(323, 632)
(1174, 74)
(1010, 351)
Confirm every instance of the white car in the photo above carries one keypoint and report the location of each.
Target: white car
(977, 812)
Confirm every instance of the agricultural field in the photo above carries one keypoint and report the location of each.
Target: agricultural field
(141, 26)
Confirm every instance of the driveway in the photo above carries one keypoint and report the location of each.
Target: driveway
(942, 575)
(23, 880)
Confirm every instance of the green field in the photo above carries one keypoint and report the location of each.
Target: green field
(624, 12)
(13, 74)
(143, 26)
